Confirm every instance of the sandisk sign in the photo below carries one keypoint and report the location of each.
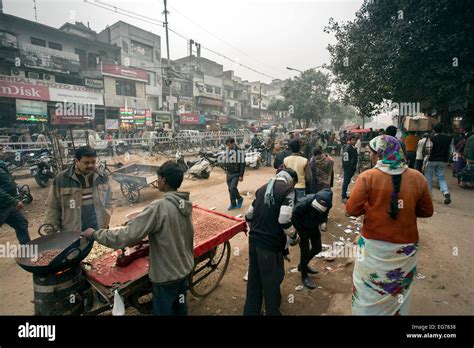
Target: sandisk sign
(189, 119)
(23, 91)
(125, 72)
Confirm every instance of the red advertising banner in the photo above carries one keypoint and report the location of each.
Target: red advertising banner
(23, 91)
(189, 119)
(125, 72)
(67, 120)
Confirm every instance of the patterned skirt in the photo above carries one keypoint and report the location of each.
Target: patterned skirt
(382, 278)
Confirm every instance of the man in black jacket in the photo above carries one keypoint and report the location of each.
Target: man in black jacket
(10, 205)
(269, 218)
(235, 166)
(309, 214)
(438, 160)
(349, 165)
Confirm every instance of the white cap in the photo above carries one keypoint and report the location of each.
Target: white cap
(316, 205)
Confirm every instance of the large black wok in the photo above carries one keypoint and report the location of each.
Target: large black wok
(74, 250)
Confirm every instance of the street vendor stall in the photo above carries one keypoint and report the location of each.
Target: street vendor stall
(60, 273)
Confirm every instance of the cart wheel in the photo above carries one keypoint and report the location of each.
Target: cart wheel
(130, 191)
(209, 270)
(142, 299)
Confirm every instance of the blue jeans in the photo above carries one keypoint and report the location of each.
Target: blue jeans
(438, 168)
(300, 193)
(348, 174)
(170, 298)
(268, 158)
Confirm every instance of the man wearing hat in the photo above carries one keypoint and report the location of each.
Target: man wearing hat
(309, 214)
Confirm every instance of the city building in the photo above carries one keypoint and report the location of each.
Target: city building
(135, 86)
(45, 71)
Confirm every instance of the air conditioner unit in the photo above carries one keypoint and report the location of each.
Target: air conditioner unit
(48, 77)
(18, 73)
(33, 75)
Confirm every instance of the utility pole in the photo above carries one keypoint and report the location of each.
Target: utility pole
(170, 101)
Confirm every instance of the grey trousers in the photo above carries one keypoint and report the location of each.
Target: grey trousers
(232, 182)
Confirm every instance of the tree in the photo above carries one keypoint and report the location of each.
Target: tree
(307, 96)
(340, 112)
(405, 51)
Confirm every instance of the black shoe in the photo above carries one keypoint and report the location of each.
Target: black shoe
(447, 198)
(308, 282)
(309, 269)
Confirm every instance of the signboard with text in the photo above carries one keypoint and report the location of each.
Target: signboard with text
(125, 72)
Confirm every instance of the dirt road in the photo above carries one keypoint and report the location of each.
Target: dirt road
(444, 264)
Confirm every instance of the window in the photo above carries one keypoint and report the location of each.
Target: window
(217, 90)
(125, 46)
(8, 40)
(55, 46)
(151, 79)
(141, 50)
(208, 89)
(92, 60)
(126, 88)
(38, 42)
(82, 57)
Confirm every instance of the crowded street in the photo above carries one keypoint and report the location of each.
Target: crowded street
(442, 286)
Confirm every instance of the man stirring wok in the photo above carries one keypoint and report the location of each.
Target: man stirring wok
(168, 224)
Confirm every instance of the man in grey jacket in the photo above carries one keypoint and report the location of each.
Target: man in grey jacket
(168, 224)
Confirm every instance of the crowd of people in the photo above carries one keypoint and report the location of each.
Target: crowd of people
(290, 209)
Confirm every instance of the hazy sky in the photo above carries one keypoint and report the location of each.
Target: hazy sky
(267, 35)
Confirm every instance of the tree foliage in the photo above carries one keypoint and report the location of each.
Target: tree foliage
(405, 51)
(307, 96)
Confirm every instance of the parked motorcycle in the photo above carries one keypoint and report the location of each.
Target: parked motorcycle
(199, 168)
(254, 156)
(44, 168)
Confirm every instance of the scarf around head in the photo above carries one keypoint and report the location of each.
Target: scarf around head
(389, 151)
(269, 199)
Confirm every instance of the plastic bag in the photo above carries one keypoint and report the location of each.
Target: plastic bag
(119, 306)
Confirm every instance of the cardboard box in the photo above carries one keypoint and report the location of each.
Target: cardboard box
(418, 124)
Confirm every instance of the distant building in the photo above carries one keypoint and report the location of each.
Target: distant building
(41, 66)
(136, 85)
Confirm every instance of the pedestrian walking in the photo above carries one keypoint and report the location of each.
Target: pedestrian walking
(391, 197)
(438, 160)
(235, 166)
(411, 142)
(322, 173)
(349, 165)
(10, 205)
(421, 152)
(300, 165)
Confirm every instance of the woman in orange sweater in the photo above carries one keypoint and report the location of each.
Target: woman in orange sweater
(391, 196)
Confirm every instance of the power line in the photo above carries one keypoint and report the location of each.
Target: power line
(224, 41)
(115, 9)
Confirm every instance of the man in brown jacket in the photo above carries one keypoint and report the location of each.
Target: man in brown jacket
(80, 197)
